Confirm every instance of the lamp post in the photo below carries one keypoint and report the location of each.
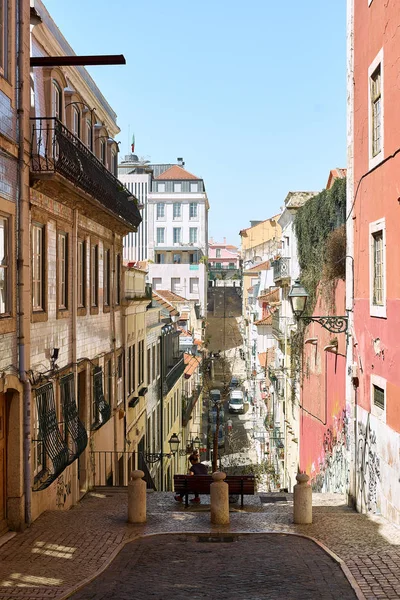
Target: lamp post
(298, 300)
(174, 442)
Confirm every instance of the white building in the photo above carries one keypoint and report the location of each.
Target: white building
(178, 233)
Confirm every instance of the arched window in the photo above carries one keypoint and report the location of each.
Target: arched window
(89, 135)
(103, 152)
(114, 162)
(76, 121)
(56, 101)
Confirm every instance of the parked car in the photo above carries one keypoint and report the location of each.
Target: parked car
(221, 434)
(212, 414)
(215, 396)
(236, 402)
(234, 383)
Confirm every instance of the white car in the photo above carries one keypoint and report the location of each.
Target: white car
(236, 402)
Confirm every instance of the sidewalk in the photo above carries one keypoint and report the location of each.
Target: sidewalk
(63, 549)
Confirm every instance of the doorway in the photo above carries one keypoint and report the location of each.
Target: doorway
(3, 465)
(82, 409)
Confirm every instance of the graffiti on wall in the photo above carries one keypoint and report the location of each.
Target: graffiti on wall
(333, 475)
(63, 489)
(368, 466)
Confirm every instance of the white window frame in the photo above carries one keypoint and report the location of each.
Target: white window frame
(62, 261)
(81, 273)
(177, 188)
(4, 267)
(194, 286)
(161, 187)
(159, 235)
(193, 210)
(375, 309)
(177, 211)
(375, 160)
(175, 235)
(38, 267)
(194, 187)
(160, 211)
(76, 122)
(376, 411)
(193, 235)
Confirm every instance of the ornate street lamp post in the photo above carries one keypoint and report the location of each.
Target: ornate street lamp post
(298, 300)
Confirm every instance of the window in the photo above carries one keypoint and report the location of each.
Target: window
(148, 366)
(379, 397)
(193, 258)
(118, 280)
(4, 267)
(177, 187)
(120, 372)
(160, 235)
(107, 381)
(177, 235)
(94, 275)
(160, 210)
(175, 284)
(161, 187)
(38, 453)
(153, 361)
(194, 187)
(114, 163)
(62, 271)
(176, 259)
(131, 370)
(218, 265)
(376, 106)
(103, 151)
(4, 39)
(76, 122)
(177, 210)
(57, 101)
(81, 273)
(193, 210)
(160, 258)
(377, 268)
(231, 266)
(106, 283)
(157, 283)
(218, 253)
(376, 98)
(89, 135)
(194, 285)
(193, 235)
(141, 362)
(37, 267)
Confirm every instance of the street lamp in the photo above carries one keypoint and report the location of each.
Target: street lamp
(298, 300)
(191, 446)
(173, 441)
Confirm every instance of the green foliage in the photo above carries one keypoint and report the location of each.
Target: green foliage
(314, 223)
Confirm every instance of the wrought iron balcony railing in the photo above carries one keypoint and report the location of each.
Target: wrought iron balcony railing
(276, 325)
(281, 269)
(188, 405)
(174, 373)
(54, 149)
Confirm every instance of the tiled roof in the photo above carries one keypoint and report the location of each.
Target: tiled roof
(265, 358)
(138, 265)
(184, 333)
(184, 316)
(264, 266)
(171, 309)
(265, 321)
(243, 232)
(271, 296)
(191, 364)
(297, 199)
(198, 342)
(335, 174)
(176, 172)
(171, 296)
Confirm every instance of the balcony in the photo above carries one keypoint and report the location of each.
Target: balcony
(143, 294)
(174, 373)
(281, 270)
(56, 151)
(188, 405)
(276, 326)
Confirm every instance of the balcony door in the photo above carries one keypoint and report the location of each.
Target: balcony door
(3, 465)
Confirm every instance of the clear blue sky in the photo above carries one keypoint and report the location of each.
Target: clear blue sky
(251, 94)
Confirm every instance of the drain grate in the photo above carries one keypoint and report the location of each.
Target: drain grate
(272, 499)
(215, 539)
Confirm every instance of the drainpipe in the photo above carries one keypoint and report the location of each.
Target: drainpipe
(74, 307)
(114, 349)
(23, 280)
(162, 411)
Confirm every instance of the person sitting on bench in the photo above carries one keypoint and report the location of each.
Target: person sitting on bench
(197, 468)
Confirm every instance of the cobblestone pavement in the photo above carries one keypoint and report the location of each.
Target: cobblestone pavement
(231, 567)
(63, 549)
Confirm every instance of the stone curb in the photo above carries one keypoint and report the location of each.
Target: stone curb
(346, 571)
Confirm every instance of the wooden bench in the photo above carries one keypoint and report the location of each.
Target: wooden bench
(200, 484)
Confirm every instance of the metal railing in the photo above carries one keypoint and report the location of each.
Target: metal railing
(276, 327)
(174, 373)
(113, 469)
(55, 149)
(281, 268)
(188, 405)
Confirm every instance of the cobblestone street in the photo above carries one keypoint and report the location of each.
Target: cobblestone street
(64, 549)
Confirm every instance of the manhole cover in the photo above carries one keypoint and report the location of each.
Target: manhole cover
(222, 539)
(272, 499)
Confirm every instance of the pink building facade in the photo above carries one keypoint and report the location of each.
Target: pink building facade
(223, 255)
(373, 232)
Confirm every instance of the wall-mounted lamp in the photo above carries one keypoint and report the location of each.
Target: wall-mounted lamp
(298, 300)
(53, 357)
(174, 443)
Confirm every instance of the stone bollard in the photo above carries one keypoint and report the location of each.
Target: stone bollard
(302, 500)
(137, 498)
(219, 494)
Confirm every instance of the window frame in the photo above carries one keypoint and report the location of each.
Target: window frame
(4, 40)
(158, 241)
(76, 120)
(195, 231)
(6, 267)
(194, 191)
(160, 211)
(377, 310)
(375, 158)
(118, 274)
(62, 271)
(39, 307)
(94, 276)
(81, 274)
(174, 231)
(378, 382)
(177, 187)
(107, 277)
(193, 210)
(56, 100)
(177, 211)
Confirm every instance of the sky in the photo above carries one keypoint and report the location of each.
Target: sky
(251, 94)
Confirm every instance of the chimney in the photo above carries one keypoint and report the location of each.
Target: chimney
(180, 162)
(224, 241)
